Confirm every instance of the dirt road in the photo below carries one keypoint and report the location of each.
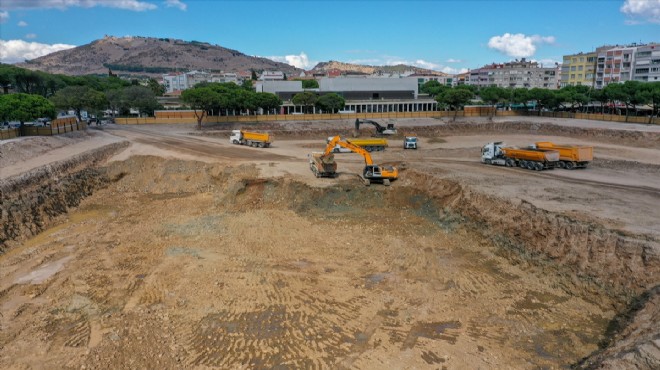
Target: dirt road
(199, 253)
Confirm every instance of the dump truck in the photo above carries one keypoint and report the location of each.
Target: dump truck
(255, 139)
(498, 153)
(324, 165)
(570, 156)
(410, 142)
(370, 145)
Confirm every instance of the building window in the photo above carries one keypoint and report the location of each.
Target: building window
(572, 76)
(580, 68)
(573, 68)
(581, 59)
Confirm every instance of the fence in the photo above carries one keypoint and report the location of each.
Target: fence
(307, 117)
(58, 126)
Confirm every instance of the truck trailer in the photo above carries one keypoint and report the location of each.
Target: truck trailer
(570, 156)
(498, 153)
(370, 145)
(255, 139)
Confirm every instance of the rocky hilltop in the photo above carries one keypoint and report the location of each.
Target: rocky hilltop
(150, 56)
(364, 69)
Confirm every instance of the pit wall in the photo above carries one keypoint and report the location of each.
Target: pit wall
(385, 115)
(29, 202)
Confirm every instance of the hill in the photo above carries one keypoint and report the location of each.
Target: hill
(365, 69)
(148, 56)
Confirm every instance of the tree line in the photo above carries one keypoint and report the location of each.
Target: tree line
(630, 95)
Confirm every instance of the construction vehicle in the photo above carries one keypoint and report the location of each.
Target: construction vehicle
(370, 145)
(323, 164)
(380, 130)
(570, 156)
(410, 142)
(255, 139)
(498, 153)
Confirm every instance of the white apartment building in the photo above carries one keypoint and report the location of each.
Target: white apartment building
(517, 74)
(628, 63)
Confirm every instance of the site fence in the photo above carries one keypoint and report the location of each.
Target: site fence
(384, 115)
(57, 126)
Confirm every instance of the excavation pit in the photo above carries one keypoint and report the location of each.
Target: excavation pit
(183, 264)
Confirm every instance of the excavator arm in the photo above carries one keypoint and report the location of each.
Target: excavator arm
(354, 148)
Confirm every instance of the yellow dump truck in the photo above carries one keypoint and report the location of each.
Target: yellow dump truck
(255, 139)
(498, 153)
(570, 156)
(370, 145)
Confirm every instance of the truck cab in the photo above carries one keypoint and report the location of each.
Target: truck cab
(492, 153)
(410, 142)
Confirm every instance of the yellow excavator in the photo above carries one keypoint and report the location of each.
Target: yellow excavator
(323, 164)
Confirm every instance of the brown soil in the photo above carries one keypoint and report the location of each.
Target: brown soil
(186, 251)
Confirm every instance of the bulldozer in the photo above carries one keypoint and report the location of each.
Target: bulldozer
(380, 129)
(322, 164)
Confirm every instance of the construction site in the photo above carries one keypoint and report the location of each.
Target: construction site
(162, 246)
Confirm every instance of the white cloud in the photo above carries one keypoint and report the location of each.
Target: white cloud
(22, 24)
(134, 5)
(176, 4)
(648, 10)
(4, 16)
(452, 60)
(13, 51)
(453, 71)
(31, 36)
(518, 45)
(298, 61)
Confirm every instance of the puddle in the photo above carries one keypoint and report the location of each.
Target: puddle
(44, 272)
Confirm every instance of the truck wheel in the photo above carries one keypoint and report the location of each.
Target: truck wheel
(510, 162)
(260, 145)
(539, 166)
(561, 164)
(235, 142)
(488, 161)
(570, 165)
(523, 164)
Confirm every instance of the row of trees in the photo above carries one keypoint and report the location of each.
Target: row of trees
(223, 98)
(630, 94)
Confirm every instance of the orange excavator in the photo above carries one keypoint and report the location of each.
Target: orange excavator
(323, 164)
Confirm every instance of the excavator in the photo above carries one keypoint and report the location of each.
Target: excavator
(323, 164)
(380, 130)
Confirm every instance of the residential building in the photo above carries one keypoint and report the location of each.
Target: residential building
(516, 74)
(634, 62)
(225, 77)
(579, 69)
(446, 80)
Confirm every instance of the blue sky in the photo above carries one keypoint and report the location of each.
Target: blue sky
(444, 35)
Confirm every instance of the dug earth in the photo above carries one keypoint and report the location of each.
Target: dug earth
(166, 247)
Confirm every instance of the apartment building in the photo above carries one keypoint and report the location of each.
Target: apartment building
(516, 74)
(446, 80)
(579, 69)
(628, 63)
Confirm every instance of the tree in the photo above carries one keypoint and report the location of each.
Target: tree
(455, 98)
(254, 75)
(652, 92)
(141, 98)
(310, 84)
(331, 102)
(492, 95)
(600, 96)
(267, 101)
(79, 98)
(115, 99)
(306, 99)
(247, 85)
(155, 87)
(25, 107)
(201, 99)
(433, 88)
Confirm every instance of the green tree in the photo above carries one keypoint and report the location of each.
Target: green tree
(493, 95)
(116, 100)
(155, 87)
(247, 85)
(652, 92)
(79, 98)
(141, 98)
(433, 88)
(455, 98)
(331, 102)
(25, 107)
(202, 100)
(306, 99)
(254, 75)
(310, 84)
(267, 101)
(600, 96)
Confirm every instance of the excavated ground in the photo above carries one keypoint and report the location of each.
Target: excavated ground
(246, 261)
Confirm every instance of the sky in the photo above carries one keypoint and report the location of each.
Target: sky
(443, 35)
